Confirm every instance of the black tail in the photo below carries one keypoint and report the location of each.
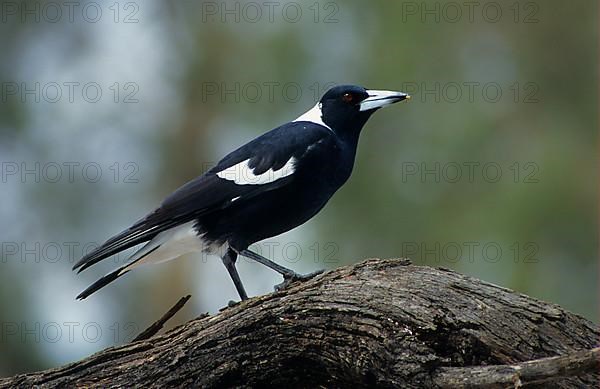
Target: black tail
(101, 283)
(120, 242)
(142, 231)
(110, 277)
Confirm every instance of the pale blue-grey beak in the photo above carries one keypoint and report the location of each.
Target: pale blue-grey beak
(381, 98)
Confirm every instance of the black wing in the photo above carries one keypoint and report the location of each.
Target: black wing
(209, 192)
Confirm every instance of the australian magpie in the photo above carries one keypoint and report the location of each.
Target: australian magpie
(270, 185)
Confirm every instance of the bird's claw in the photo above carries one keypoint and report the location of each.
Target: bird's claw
(290, 278)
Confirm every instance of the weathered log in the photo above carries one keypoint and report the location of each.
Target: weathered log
(382, 323)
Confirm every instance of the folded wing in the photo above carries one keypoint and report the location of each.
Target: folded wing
(265, 164)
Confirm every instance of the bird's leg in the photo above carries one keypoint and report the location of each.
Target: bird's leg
(284, 271)
(229, 261)
(289, 275)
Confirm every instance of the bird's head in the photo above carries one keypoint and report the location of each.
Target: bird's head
(346, 108)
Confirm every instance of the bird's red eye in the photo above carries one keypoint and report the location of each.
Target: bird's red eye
(347, 97)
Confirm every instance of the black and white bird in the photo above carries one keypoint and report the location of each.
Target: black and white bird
(270, 185)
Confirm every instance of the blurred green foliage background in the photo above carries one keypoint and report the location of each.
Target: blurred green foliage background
(106, 108)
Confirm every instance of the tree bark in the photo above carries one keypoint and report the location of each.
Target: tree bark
(382, 323)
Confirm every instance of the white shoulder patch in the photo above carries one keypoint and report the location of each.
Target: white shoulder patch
(242, 174)
(313, 115)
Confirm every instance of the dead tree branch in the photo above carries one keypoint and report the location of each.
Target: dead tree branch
(382, 323)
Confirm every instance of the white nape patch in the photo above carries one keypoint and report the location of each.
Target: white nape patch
(168, 245)
(313, 115)
(242, 174)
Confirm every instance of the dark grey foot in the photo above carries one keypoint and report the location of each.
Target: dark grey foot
(290, 278)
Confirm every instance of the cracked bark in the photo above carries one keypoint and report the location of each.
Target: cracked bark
(383, 323)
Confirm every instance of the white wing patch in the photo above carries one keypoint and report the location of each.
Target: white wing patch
(242, 174)
(313, 115)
